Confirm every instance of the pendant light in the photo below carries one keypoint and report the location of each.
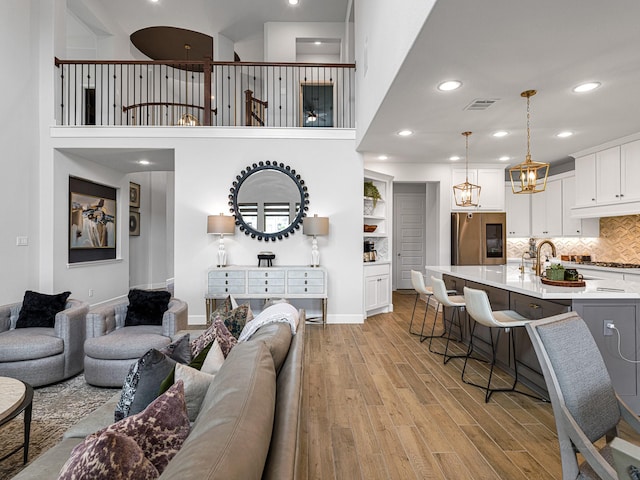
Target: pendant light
(529, 176)
(187, 119)
(466, 194)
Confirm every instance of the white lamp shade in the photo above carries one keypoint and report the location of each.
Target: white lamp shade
(221, 224)
(315, 225)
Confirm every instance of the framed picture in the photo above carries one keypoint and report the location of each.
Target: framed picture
(134, 223)
(134, 195)
(92, 221)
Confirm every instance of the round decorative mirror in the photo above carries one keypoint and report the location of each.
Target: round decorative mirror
(269, 201)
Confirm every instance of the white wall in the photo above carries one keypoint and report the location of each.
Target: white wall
(19, 143)
(280, 38)
(151, 253)
(379, 53)
(107, 279)
(438, 178)
(333, 174)
(206, 163)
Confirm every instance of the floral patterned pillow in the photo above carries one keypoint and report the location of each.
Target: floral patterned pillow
(236, 319)
(140, 446)
(224, 337)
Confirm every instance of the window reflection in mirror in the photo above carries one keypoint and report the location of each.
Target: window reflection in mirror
(269, 201)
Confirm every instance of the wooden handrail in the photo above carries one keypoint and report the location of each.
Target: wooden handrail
(59, 62)
(126, 108)
(249, 102)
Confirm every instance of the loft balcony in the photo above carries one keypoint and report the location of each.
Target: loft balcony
(204, 93)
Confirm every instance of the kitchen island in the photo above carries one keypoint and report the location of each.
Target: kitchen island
(599, 302)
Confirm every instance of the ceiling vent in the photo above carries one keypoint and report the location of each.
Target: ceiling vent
(481, 103)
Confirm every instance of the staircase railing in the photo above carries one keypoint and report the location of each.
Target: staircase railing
(254, 110)
(204, 93)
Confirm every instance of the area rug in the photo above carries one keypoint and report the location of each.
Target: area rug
(55, 408)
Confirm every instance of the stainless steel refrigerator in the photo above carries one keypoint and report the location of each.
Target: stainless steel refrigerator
(478, 238)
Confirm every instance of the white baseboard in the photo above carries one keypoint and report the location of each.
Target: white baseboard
(353, 319)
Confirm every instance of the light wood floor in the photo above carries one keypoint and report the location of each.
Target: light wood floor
(378, 405)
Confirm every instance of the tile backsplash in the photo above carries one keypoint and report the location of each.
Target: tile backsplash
(619, 241)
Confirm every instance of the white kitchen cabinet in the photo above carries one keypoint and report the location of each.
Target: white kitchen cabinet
(586, 178)
(607, 180)
(608, 175)
(518, 208)
(377, 289)
(546, 211)
(575, 227)
(630, 171)
(491, 181)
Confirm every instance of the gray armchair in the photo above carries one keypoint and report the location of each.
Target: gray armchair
(585, 405)
(39, 355)
(111, 347)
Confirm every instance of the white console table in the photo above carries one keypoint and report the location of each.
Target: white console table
(245, 282)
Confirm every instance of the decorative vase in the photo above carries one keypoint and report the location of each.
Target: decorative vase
(368, 206)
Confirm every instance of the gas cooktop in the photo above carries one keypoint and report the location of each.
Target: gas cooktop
(613, 264)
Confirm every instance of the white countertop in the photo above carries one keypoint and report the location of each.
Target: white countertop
(508, 277)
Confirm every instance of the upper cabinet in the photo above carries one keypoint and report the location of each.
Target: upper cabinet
(518, 209)
(546, 214)
(491, 181)
(606, 181)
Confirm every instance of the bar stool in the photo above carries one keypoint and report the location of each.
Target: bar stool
(479, 309)
(417, 282)
(456, 302)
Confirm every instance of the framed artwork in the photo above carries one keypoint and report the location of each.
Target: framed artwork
(134, 223)
(92, 221)
(134, 195)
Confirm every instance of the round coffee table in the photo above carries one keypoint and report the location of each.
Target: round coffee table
(16, 397)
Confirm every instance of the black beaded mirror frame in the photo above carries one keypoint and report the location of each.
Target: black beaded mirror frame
(279, 167)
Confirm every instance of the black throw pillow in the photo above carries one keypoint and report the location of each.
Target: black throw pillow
(39, 309)
(146, 307)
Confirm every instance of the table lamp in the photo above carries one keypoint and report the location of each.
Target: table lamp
(315, 226)
(219, 225)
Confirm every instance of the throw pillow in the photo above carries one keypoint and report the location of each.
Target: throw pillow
(142, 384)
(236, 319)
(146, 307)
(196, 363)
(202, 341)
(179, 350)
(39, 309)
(214, 359)
(224, 337)
(108, 456)
(159, 432)
(196, 384)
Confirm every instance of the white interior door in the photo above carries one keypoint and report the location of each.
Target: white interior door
(409, 221)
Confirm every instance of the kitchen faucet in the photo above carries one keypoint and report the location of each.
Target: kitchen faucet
(538, 248)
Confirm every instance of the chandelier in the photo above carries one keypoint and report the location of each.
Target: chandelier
(529, 176)
(466, 194)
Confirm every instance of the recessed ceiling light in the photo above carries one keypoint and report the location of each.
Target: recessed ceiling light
(293, 2)
(564, 134)
(504, 158)
(317, 43)
(144, 162)
(449, 85)
(405, 133)
(454, 158)
(586, 87)
(153, 1)
(500, 133)
(383, 157)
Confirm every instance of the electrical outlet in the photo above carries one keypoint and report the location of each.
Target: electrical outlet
(91, 292)
(607, 331)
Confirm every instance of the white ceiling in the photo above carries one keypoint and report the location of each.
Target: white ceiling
(499, 48)
(127, 160)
